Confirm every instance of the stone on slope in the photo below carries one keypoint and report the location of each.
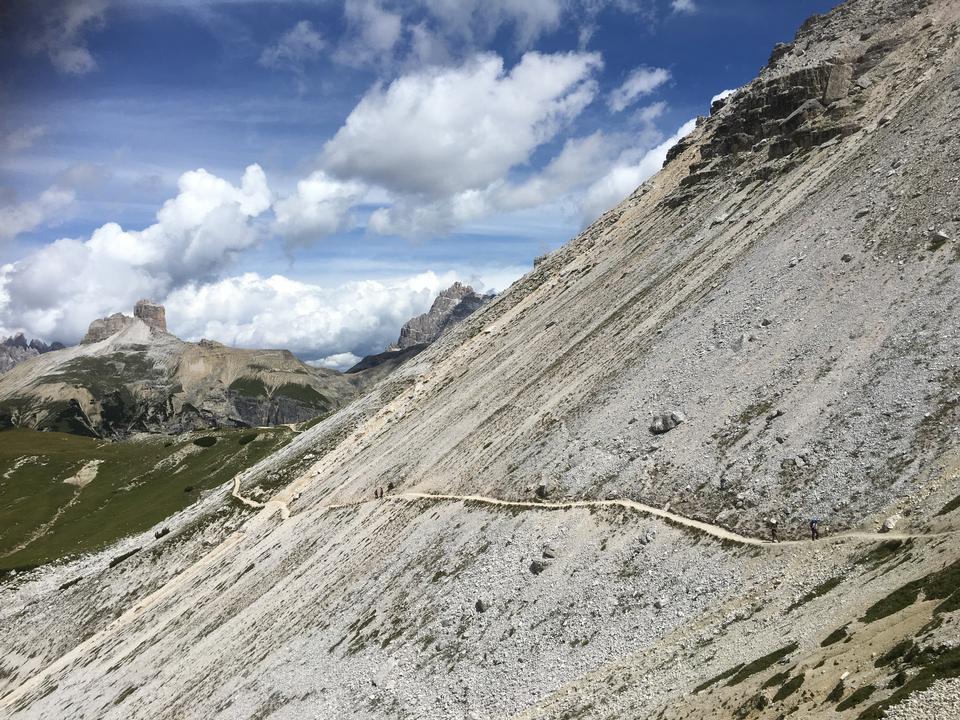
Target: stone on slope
(665, 422)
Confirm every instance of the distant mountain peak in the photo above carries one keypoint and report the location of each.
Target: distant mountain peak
(152, 314)
(452, 306)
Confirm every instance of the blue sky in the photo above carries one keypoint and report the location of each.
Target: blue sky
(310, 174)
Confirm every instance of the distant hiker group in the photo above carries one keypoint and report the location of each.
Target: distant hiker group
(379, 492)
(774, 525)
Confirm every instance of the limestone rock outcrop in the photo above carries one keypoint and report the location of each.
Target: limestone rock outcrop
(16, 349)
(102, 328)
(152, 314)
(452, 306)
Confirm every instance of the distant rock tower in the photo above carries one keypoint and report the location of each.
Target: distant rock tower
(152, 314)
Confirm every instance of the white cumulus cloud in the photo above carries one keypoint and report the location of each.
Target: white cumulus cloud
(684, 6)
(443, 131)
(373, 33)
(641, 81)
(338, 361)
(320, 207)
(314, 322)
(30, 214)
(56, 290)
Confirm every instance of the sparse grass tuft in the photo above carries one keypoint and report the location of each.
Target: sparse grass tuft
(762, 663)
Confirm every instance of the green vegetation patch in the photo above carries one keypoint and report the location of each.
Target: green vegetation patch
(249, 387)
(777, 680)
(939, 585)
(905, 651)
(714, 680)
(789, 688)
(303, 393)
(836, 636)
(942, 667)
(859, 696)
(819, 591)
(763, 663)
(837, 693)
(137, 483)
(883, 552)
(950, 506)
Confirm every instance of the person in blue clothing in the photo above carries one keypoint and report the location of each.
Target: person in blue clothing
(814, 528)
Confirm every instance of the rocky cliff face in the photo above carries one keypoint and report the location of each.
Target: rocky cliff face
(153, 315)
(103, 328)
(582, 477)
(16, 349)
(452, 306)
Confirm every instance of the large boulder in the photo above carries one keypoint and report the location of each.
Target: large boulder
(665, 422)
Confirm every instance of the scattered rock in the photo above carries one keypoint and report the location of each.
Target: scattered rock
(549, 552)
(538, 566)
(481, 605)
(846, 257)
(665, 422)
(938, 240)
(890, 523)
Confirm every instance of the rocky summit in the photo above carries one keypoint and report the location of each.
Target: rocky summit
(148, 312)
(452, 306)
(703, 461)
(16, 349)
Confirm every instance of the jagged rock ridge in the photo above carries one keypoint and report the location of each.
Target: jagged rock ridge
(452, 306)
(16, 349)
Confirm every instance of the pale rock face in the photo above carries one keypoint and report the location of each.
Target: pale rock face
(452, 305)
(102, 328)
(153, 314)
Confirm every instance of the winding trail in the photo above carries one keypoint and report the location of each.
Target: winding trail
(703, 527)
(706, 528)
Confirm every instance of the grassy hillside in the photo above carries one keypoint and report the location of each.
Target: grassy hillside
(62, 494)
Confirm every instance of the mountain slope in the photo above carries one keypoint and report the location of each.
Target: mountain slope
(138, 379)
(787, 286)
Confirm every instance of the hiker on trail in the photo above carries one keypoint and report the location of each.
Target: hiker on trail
(376, 493)
(814, 528)
(390, 485)
(772, 522)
